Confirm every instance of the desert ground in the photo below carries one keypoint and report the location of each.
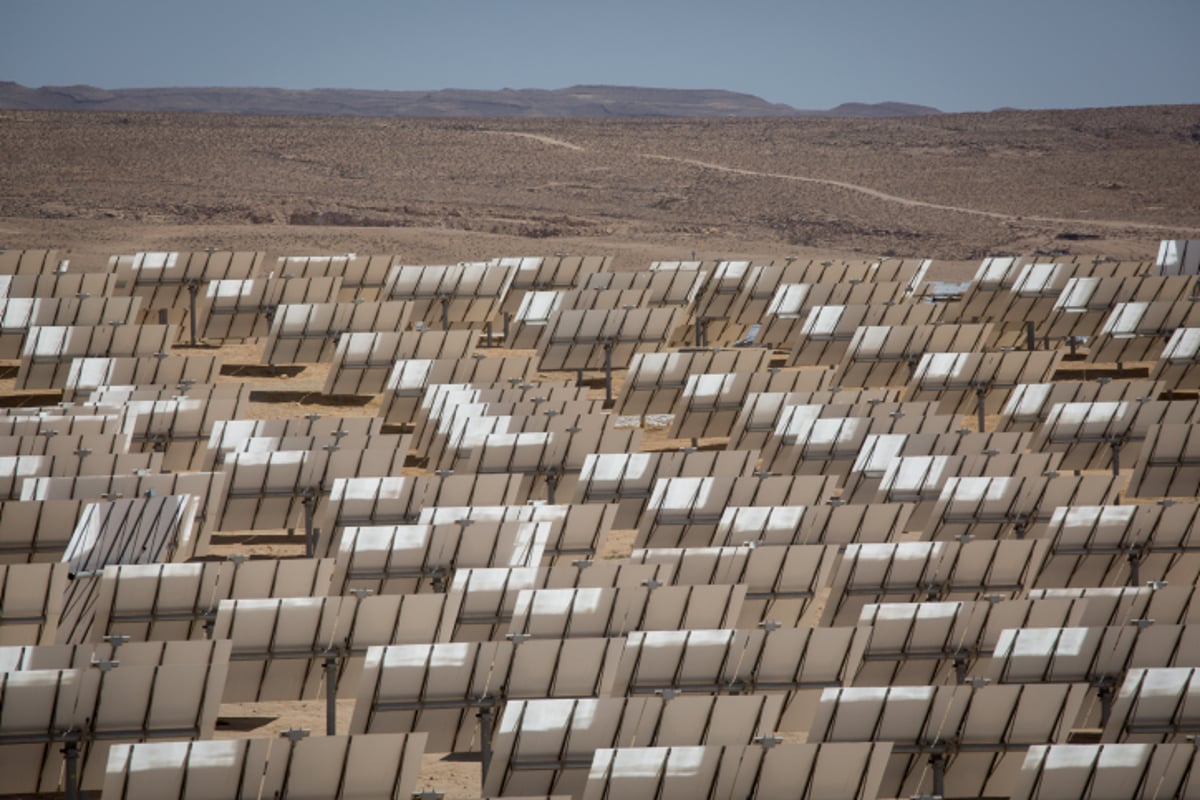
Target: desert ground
(1109, 182)
(951, 187)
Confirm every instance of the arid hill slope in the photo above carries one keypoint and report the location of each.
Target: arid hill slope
(600, 102)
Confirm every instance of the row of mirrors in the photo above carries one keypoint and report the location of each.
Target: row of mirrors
(712, 529)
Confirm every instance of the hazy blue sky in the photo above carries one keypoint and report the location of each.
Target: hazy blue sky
(954, 54)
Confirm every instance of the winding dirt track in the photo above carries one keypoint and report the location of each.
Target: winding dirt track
(908, 201)
(867, 190)
(550, 140)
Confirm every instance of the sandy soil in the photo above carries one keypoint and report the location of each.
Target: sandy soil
(1108, 181)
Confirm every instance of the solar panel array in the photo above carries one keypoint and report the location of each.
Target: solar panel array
(713, 529)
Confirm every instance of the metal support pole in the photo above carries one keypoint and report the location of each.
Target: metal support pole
(1030, 339)
(699, 332)
(578, 378)
(1135, 567)
(445, 313)
(488, 327)
(70, 751)
(938, 762)
(551, 485)
(331, 677)
(1105, 693)
(485, 743)
(1116, 456)
(980, 393)
(310, 533)
(608, 395)
(192, 288)
(960, 669)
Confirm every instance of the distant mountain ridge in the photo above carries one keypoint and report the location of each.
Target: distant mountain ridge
(574, 101)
